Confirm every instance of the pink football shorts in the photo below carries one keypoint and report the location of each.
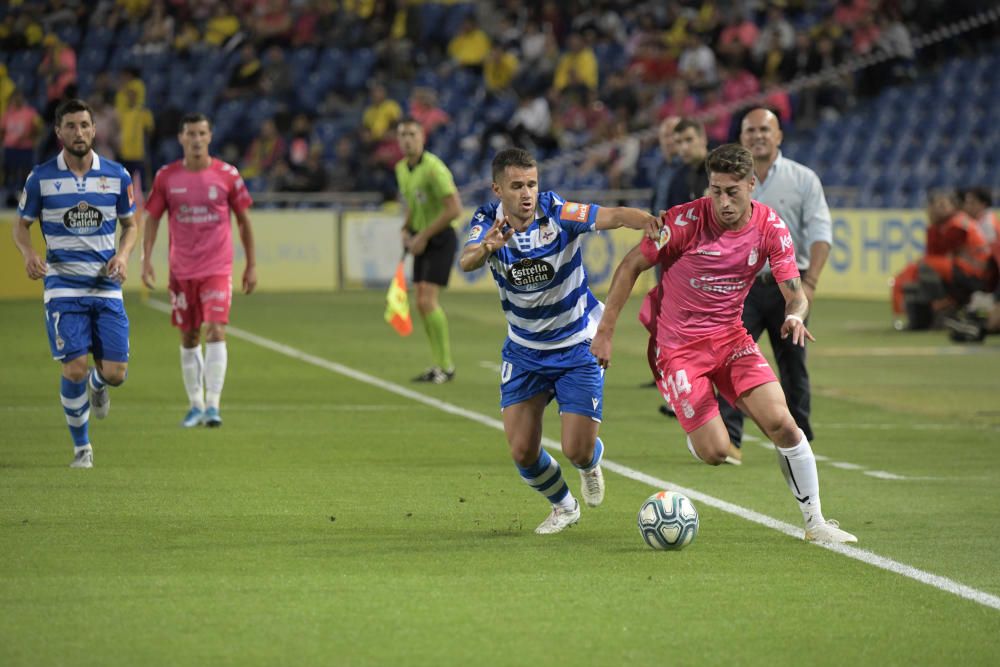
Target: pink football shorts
(733, 363)
(200, 300)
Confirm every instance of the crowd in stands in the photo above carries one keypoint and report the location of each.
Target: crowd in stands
(305, 93)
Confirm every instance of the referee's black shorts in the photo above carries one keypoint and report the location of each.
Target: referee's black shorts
(434, 265)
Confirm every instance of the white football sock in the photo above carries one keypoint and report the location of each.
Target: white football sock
(192, 365)
(216, 359)
(798, 466)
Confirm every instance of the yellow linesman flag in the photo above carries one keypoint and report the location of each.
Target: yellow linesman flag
(397, 304)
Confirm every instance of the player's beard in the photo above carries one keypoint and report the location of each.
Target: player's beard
(75, 150)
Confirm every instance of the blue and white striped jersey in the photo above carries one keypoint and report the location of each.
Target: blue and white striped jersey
(540, 273)
(79, 217)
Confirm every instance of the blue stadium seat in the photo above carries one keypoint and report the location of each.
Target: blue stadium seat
(359, 70)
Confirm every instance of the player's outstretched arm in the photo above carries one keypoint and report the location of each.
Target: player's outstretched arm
(249, 251)
(622, 283)
(633, 218)
(475, 254)
(34, 265)
(796, 309)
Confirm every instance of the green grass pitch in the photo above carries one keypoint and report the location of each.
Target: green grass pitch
(337, 521)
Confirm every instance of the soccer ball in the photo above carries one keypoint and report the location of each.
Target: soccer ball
(668, 520)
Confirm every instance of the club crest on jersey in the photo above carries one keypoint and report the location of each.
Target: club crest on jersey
(213, 192)
(546, 234)
(752, 259)
(83, 218)
(574, 212)
(474, 233)
(102, 185)
(530, 274)
(664, 237)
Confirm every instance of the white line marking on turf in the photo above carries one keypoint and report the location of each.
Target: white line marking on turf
(939, 582)
(843, 465)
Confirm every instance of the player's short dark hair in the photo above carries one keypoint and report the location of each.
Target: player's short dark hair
(73, 106)
(193, 117)
(981, 193)
(685, 123)
(730, 159)
(511, 157)
(409, 120)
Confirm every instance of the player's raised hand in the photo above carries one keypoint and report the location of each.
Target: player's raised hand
(35, 266)
(794, 327)
(249, 279)
(652, 227)
(148, 274)
(118, 269)
(496, 236)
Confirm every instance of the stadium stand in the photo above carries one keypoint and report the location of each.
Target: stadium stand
(885, 102)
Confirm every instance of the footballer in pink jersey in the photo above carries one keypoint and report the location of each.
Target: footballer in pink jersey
(710, 250)
(200, 194)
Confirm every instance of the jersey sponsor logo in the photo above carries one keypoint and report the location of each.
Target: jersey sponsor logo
(178, 191)
(664, 237)
(23, 201)
(83, 219)
(57, 185)
(131, 195)
(786, 241)
(531, 274)
(574, 212)
(752, 259)
(717, 284)
(595, 401)
(710, 253)
(474, 233)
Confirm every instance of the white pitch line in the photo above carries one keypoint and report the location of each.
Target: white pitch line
(844, 465)
(942, 583)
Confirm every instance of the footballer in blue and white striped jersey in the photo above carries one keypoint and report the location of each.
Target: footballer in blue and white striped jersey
(81, 199)
(533, 245)
(540, 273)
(79, 218)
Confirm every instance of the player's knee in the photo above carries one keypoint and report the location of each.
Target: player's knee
(784, 430)
(75, 372)
(115, 375)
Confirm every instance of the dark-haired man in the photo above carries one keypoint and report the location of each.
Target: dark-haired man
(80, 198)
(200, 194)
(710, 251)
(533, 244)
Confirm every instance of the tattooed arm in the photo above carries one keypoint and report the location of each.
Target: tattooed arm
(796, 310)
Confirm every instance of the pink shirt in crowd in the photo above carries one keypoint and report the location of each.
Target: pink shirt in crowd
(17, 127)
(199, 205)
(707, 270)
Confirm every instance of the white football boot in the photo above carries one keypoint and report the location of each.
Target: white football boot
(829, 532)
(83, 459)
(559, 520)
(592, 486)
(100, 401)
